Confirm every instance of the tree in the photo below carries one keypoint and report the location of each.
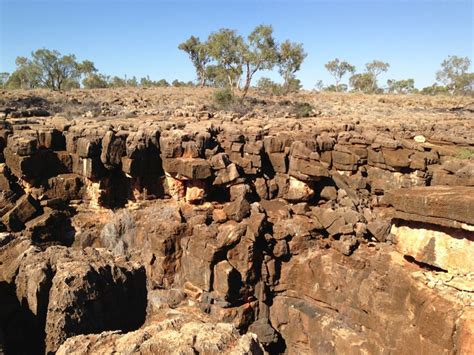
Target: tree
(4, 79)
(259, 53)
(132, 82)
(92, 80)
(117, 82)
(362, 82)
(226, 56)
(319, 86)
(338, 69)
(266, 86)
(96, 81)
(162, 83)
(401, 86)
(55, 69)
(290, 57)
(178, 83)
(226, 47)
(26, 75)
(199, 55)
(434, 89)
(465, 84)
(49, 69)
(86, 67)
(338, 88)
(375, 68)
(216, 76)
(454, 74)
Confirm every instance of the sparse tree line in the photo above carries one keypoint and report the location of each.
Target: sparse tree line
(230, 61)
(452, 78)
(49, 69)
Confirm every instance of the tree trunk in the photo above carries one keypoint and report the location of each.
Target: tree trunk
(248, 80)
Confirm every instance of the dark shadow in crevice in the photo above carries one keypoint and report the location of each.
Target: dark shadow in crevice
(22, 331)
(423, 265)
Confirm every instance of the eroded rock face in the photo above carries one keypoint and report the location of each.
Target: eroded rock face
(434, 225)
(171, 336)
(346, 302)
(294, 236)
(430, 203)
(71, 291)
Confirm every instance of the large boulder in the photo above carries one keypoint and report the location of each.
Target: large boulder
(75, 292)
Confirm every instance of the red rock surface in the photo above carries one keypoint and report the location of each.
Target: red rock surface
(158, 223)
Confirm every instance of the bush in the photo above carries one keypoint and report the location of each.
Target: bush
(303, 109)
(293, 85)
(224, 98)
(465, 154)
(266, 86)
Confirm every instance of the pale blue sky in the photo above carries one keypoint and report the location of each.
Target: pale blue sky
(141, 37)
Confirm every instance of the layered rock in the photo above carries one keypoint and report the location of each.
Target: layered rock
(435, 226)
(316, 238)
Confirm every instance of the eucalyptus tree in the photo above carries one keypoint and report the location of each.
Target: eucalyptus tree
(338, 69)
(199, 55)
(290, 57)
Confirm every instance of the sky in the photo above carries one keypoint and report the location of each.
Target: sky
(140, 37)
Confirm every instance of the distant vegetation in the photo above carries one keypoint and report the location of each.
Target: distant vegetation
(229, 61)
(52, 70)
(453, 78)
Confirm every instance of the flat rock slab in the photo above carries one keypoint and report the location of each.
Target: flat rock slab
(446, 248)
(455, 203)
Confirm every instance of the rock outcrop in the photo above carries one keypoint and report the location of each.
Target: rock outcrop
(206, 235)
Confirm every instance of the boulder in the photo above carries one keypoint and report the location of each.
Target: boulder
(188, 168)
(26, 207)
(80, 292)
(113, 148)
(238, 209)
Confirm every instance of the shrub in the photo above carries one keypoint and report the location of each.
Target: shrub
(303, 109)
(266, 86)
(293, 85)
(226, 100)
(465, 154)
(223, 98)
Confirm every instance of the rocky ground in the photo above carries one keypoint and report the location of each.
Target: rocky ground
(154, 221)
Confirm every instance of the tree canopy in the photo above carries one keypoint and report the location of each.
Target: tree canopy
(338, 69)
(49, 69)
(226, 57)
(454, 74)
(199, 56)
